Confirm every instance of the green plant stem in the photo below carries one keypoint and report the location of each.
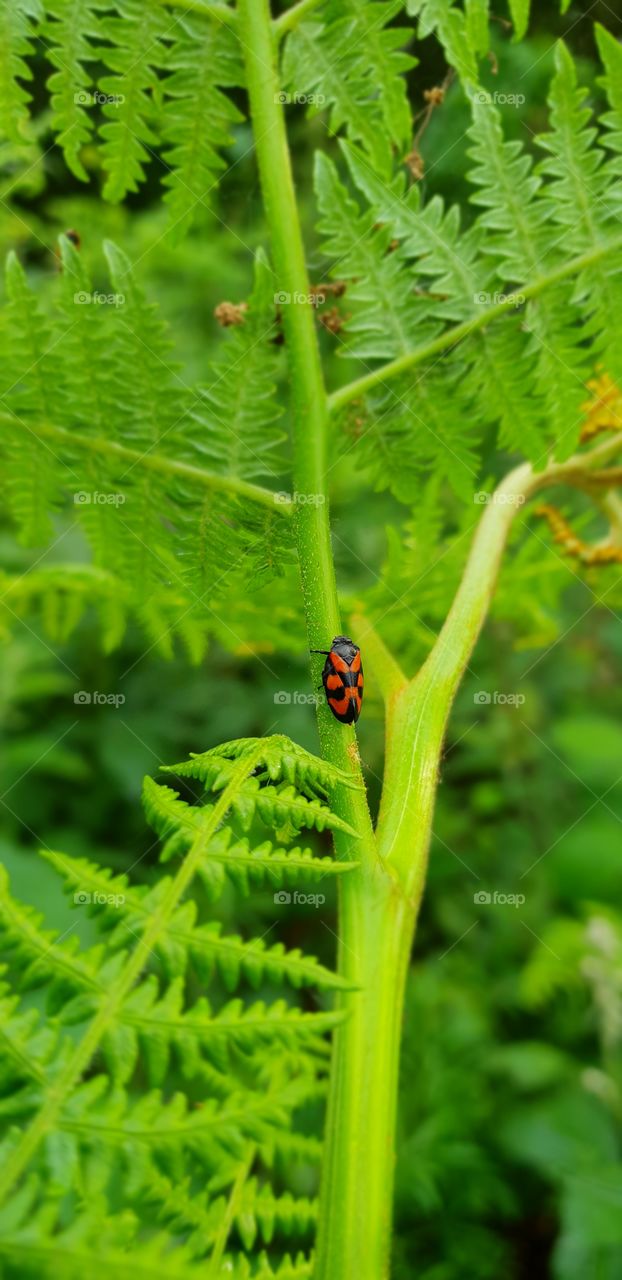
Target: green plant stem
(290, 19)
(308, 398)
(233, 1207)
(451, 337)
(386, 669)
(418, 714)
(355, 1208)
(354, 1230)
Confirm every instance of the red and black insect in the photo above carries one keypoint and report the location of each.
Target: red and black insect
(342, 678)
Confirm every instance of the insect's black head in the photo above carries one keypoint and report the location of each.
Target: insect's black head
(341, 640)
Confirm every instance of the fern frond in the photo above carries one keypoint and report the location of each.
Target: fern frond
(172, 535)
(463, 32)
(364, 92)
(164, 1025)
(69, 45)
(26, 1042)
(35, 1239)
(266, 864)
(281, 761)
(453, 30)
(515, 219)
(155, 1125)
(233, 958)
(450, 278)
(44, 955)
(135, 48)
(30, 386)
(611, 57)
(527, 369)
(386, 314)
(298, 1268)
(197, 116)
(281, 808)
(260, 1214)
(582, 198)
(251, 1063)
(60, 594)
(16, 46)
(237, 413)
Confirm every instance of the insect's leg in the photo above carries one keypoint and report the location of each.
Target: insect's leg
(326, 651)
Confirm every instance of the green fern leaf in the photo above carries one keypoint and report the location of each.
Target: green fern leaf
(366, 94)
(197, 116)
(133, 53)
(453, 30)
(16, 45)
(237, 413)
(70, 46)
(125, 908)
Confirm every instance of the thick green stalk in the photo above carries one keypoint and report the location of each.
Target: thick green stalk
(356, 1200)
(416, 728)
(418, 712)
(308, 394)
(354, 1229)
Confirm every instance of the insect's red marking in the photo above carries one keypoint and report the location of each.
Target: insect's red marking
(334, 682)
(338, 662)
(339, 705)
(356, 662)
